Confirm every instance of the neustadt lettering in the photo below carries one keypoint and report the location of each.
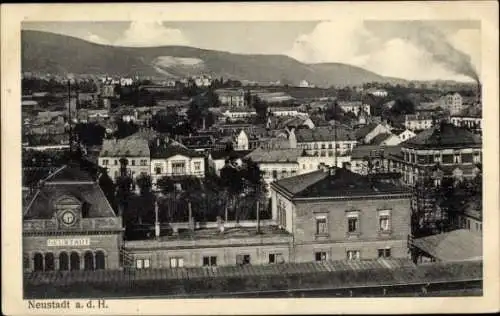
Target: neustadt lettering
(68, 242)
(48, 305)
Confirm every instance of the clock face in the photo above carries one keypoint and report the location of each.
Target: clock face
(68, 218)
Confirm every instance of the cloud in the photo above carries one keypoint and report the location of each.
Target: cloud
(349, 41)
(143, 34)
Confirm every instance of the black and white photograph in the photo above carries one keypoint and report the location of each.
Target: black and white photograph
(326, 158)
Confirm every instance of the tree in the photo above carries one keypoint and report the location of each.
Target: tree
(125, 129)
(165, 185)
(108, 187)
(403, 106)
(90, 134)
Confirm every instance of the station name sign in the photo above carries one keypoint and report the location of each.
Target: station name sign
(68, 242)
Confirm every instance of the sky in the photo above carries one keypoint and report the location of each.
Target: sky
(405, 49)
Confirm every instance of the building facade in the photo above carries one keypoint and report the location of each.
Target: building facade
(454, 151)
(69, 225)
(326, 141)
(335, 214)
(171, 159)
(453, 102)
(231, 97)
(134, 149)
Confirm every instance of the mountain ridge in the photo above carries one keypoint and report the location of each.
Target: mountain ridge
(45, 52)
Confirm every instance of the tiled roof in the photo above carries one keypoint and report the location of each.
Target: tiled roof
(132, 146)
(444, 136)
(169, 150)
(338, 182)
(373, 151)
(275, 155)
(77, 184)
(457, 245)
(229, 154)
(320, 134)
(298, 183)
(363, 131)
(377, 140)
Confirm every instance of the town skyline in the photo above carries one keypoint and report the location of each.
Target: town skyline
(372, 45)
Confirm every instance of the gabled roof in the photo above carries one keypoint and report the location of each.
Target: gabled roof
(380, 138)
(457, 245)
(132, 146)
(275, 155)
(72, 182)
(165, 151)
(216, 155)
(363, 131)
(338, 182)
(444, 135)
(327, 133)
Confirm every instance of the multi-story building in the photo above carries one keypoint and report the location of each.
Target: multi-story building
(453, 102)
(326, 141)
(470, 118)
(239, 114)
(334, 214)
(418, 122)
(231, 97)
(69, 225)
(355, 107)
(172, 159)
(134, 149)
(453, 150)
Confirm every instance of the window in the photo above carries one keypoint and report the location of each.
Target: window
(384, 253)
(275, 174)
(105, 162)
(176, 262)
(352, 222)
(281, 214)
(116, 162)
(330, 146)
(242, 259)
(321, 225)
(447, 159)
(323, 146)
(158, 168)
(209, 261)
(353, 255)
(144, 162)
(468, 224)
(276, 258)
(142, 263)
(197, 166)
(133, 162)
(384, 220)
(320, 256)
(178, 167)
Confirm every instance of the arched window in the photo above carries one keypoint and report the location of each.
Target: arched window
(75, 261)
(63, 261)
(88, 260)
(100, 261)
(49, 262)
(38, 262)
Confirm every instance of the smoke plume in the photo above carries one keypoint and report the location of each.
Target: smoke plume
(437, 44)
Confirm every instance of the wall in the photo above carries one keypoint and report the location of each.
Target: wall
(369, 237)
(225, 256)
(108, 243)
(166, 166)
(113, 165)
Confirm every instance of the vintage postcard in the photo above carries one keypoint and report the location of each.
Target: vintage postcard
(335, 157)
